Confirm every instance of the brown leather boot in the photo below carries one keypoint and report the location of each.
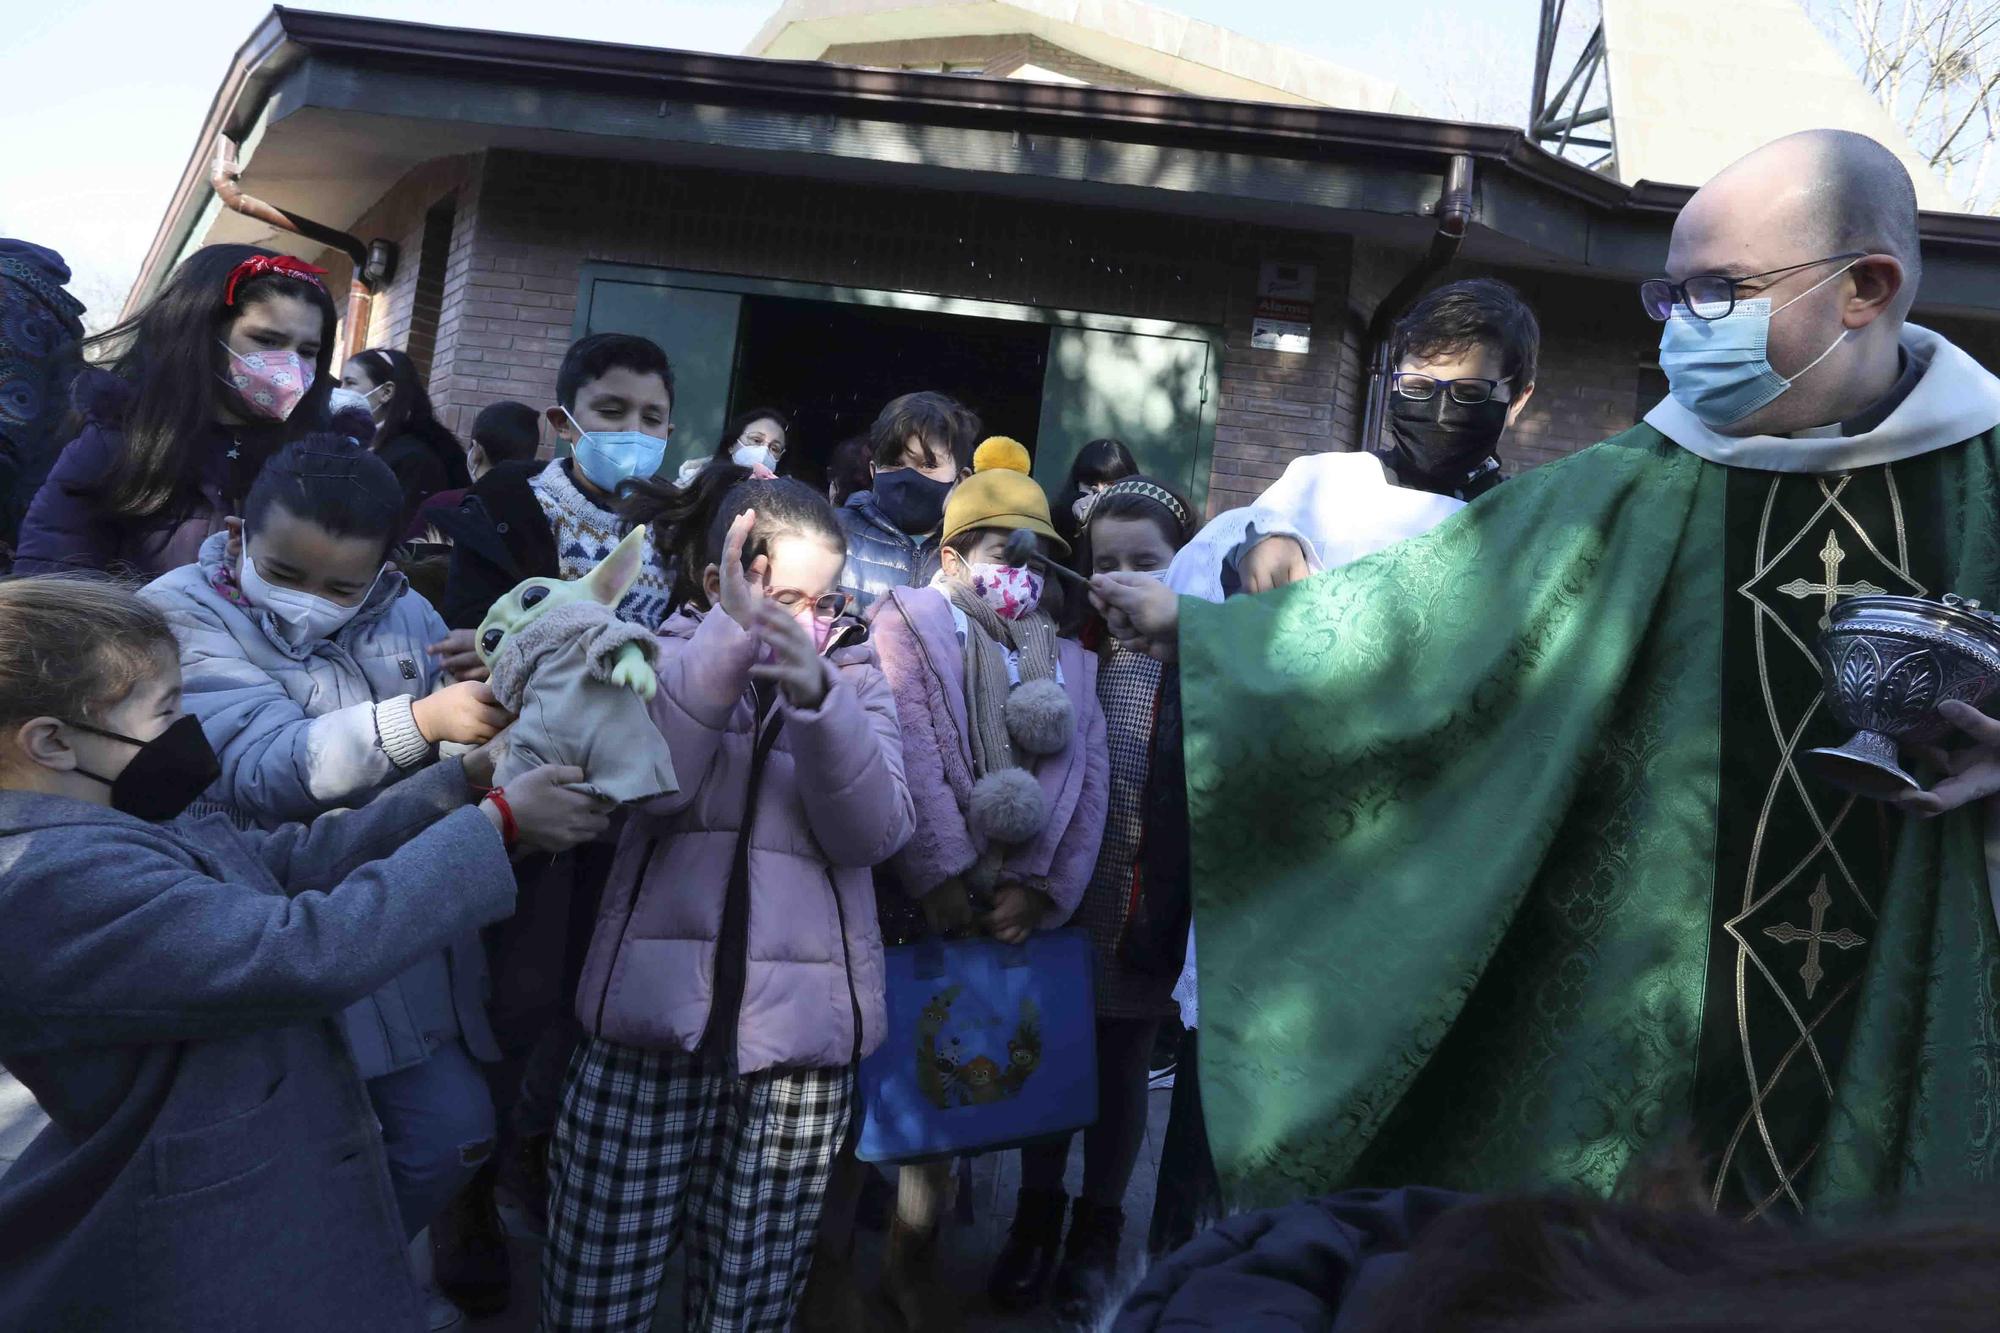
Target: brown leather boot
(910, 1280)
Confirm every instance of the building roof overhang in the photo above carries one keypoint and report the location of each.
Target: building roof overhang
(330, 111)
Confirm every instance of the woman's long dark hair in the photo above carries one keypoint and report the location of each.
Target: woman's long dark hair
(167, 355)
(1097, 463)
(410, 410)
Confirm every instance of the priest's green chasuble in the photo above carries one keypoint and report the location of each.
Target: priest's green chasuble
(1507, 869)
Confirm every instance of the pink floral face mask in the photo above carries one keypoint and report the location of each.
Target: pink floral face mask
(1011, 590)
(270, 383)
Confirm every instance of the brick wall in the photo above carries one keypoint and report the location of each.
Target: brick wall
(1277, 406)
(519, 243)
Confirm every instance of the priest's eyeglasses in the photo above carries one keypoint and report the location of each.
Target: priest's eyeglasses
(1712, 296)
(1422, 388)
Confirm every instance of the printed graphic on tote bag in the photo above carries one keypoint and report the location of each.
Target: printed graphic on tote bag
(959, 1063)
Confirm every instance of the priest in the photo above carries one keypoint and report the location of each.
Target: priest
(1506, 868)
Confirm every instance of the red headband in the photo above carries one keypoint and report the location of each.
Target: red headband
(260, 264)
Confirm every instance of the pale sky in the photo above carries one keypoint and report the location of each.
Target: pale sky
(103, 98)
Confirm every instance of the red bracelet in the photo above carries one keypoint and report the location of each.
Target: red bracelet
(510, 832)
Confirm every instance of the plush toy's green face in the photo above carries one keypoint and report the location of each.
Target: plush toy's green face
(607, 585)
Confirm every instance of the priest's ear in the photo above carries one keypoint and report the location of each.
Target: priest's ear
(1878, 289)
(1519, 402)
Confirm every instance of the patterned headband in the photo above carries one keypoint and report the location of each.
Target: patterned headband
(1159, 495)
(257, 265)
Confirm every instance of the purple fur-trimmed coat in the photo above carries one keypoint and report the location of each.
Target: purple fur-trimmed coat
(917, 643)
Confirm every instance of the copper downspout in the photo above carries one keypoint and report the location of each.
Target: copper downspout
(223, 177)
(1454, 215)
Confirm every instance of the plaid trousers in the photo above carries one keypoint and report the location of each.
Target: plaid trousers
(652, 1146)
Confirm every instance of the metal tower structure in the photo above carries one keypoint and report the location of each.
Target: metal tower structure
(1583, 100)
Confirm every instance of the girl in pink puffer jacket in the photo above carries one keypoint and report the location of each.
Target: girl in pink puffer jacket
(735, 977)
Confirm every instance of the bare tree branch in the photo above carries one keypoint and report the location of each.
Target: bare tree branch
(1934, 65)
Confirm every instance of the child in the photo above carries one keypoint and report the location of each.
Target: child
(919, 447)
(1005, 743)
(423, 453)
(227, 363)
(614, 408)
(1134, 526)
(555, 520)
(165, 984)
(304, 659)
(1465, 360)
(736, 974)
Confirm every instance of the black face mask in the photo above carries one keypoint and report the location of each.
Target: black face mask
(910, 500)
(167, 774)
(1443, 440)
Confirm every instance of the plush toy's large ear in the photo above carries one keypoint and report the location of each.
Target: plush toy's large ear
(617, 572)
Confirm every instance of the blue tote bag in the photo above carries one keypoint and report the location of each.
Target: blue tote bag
(988, 1045)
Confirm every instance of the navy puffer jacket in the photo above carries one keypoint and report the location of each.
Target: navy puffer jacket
(881, 557)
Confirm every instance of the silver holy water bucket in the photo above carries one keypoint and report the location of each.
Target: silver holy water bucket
(1889, 663)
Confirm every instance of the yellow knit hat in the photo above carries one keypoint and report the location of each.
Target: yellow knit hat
(1000, 494)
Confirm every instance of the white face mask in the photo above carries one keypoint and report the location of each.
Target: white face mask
(753, 456)
(302, 618)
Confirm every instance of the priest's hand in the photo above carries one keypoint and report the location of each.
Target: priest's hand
(1141, 613)
(1273, 563)
(1971, 774)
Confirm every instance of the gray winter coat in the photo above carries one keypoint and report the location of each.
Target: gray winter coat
(301, 731)
(881, 557)
(212, 1161)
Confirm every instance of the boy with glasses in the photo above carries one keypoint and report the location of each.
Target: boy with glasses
(1465, 368)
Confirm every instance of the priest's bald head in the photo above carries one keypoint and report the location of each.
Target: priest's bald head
(1823, 224)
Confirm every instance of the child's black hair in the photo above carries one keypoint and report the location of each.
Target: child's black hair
(1172, 515)
(941, 422)
(691, 525)
(1098, 463)
(1478, 312)
(590, 358)
(328, 482)
(507, 432)
(847, 471)
(167, 353)
(410, 409)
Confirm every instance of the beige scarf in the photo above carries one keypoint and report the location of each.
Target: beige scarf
(1033, 640)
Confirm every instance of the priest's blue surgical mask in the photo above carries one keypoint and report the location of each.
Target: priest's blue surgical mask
(1719, 369)
(610, 458)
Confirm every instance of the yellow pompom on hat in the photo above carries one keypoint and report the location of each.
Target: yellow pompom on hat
(1000, 494)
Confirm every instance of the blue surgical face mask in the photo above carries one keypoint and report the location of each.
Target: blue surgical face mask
(1719, 369)
(610, 458)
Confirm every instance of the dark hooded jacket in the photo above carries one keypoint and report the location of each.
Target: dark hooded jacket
(67, 526)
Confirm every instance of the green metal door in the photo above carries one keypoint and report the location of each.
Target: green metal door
(697, 328)
(1145, 389)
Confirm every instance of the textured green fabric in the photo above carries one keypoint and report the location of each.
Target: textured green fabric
(1454, 832)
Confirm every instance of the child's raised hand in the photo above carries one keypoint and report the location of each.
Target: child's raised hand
(791, 662)
(742, 594)
(465, 713)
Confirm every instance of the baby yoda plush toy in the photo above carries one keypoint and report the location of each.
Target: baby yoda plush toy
(578, 678)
